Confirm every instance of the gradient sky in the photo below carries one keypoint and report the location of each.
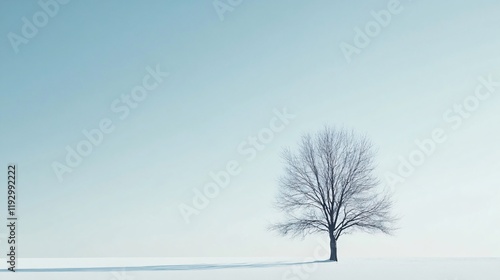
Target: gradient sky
(226, 78)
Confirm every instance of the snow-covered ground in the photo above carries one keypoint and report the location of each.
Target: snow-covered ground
(243, 269)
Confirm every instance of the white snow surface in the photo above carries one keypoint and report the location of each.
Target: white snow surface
(242, 269)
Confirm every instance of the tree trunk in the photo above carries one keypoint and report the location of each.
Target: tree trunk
(333, 249)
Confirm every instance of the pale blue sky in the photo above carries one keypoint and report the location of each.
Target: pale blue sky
(226, 77)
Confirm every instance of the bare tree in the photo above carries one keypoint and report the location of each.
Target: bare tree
(329, 187)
